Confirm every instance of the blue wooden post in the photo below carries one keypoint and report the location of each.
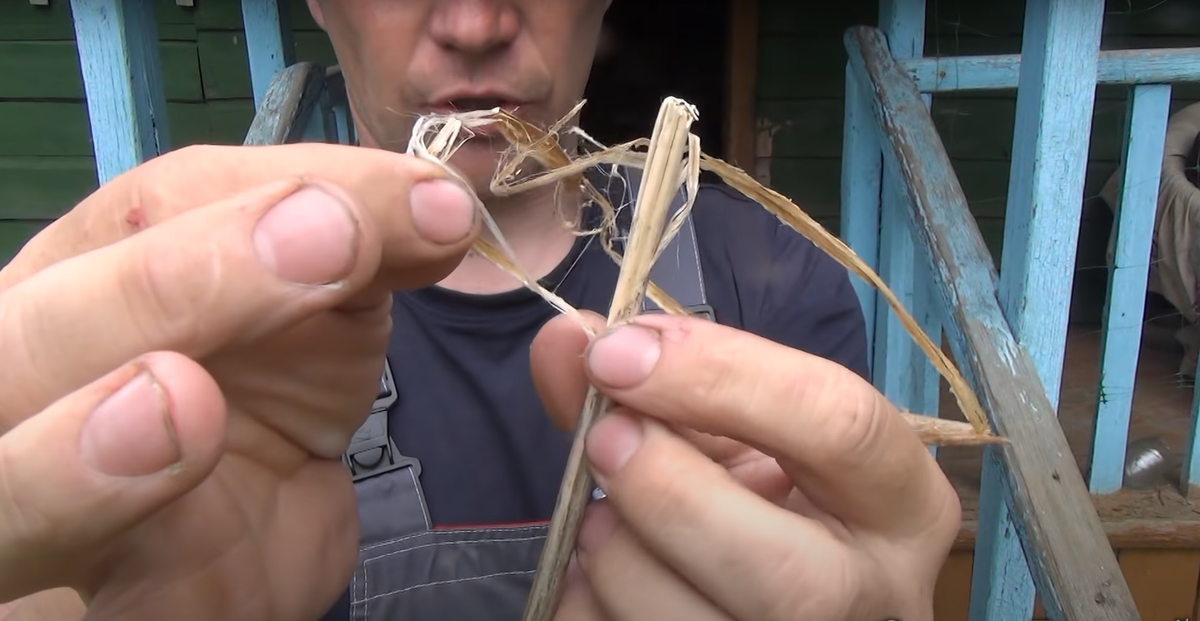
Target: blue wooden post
(901, 370)
(1145, 133)
(118, 56)
(862, 167)
(1055, 92)
(268, 42)
(1191, 465)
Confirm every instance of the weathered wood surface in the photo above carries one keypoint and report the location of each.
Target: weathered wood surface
(118, 57)
(269, 46)
(1074, 568)
(1146, 128)
(291, 99)
(1002, 71)
(900, 370)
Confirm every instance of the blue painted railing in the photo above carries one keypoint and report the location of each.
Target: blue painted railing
(1055, 77)
(904, 213)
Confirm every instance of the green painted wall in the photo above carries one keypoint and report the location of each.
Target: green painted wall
(801, 81)
(46, 163)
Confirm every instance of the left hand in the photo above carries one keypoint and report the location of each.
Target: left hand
(838, 513)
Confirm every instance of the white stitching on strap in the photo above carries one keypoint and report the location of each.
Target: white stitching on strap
(366, 602)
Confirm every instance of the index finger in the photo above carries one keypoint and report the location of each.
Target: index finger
(195, 176)
(836, 436)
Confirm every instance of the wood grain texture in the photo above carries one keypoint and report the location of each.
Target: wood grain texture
(1149, 106)
(1163, 582)
(1001, 71)
(860, 185)
(1054, 113)
(287, 105)
(952, 595)
(900, 370)
(118, 55)
(741, 81)
(269, 46)
(1071, 562)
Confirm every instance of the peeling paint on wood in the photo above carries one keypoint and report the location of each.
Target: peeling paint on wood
(1054, 519)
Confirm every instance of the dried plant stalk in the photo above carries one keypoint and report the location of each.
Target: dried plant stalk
(658, 187)
(933, 431)
(436, 137)
(802, 223)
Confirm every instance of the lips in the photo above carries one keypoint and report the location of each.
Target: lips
(470, 101)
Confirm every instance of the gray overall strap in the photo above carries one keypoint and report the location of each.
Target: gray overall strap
(388, 506)
(677, 270)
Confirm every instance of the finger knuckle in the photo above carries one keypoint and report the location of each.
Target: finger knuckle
(720, 380)
(852, 424)
(167, 294)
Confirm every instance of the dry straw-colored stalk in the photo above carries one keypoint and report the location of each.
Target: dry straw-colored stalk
(672, 159)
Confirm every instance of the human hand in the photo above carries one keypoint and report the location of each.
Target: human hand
(230, 307)
(837, 513)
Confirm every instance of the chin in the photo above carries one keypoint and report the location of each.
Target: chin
(477, 161)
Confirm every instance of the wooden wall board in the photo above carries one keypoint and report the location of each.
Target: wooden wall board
(1163, 582)
(45, 70)
(14, 234)
(990, 19)
(33, 129)
(224, 66)
(21, 21)
(227, 15)
(952, 596)
(35, 188)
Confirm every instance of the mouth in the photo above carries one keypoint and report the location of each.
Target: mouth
(468, 104)
(476, 102)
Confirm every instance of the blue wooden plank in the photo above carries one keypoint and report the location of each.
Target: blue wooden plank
(1055, 92)
(118, 56)
(268, 45)
(1001, 71)
(1055, 519)
(862, 168)
(1191, 465)
(1145, 134)
(901, 371)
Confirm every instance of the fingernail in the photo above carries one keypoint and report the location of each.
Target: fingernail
(599, 523)
(442, 211)
(131, 433)
(624, 357)
(611, 442)
(308, 238)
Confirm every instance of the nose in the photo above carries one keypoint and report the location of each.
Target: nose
(474, 26)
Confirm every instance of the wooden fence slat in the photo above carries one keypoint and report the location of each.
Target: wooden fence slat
(1055, 93)
(1146, 130)
(122, 76)
(269, 47)
(900, 370)
(1002, 71)
(1073, 566)
(862, 169)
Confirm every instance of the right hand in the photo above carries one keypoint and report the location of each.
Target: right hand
(178, 384)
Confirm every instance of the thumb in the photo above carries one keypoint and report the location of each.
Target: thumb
(100, 460)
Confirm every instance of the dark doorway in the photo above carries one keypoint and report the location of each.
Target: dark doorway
(654, 49)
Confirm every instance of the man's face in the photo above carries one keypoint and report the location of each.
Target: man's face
(403, 58)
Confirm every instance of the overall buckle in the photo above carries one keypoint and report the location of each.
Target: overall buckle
(372, 451)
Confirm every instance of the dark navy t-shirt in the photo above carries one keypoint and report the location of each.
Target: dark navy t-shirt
(467, 408)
